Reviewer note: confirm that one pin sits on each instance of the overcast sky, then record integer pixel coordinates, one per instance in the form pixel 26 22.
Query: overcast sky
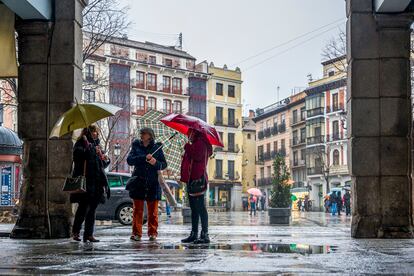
pixel 230 31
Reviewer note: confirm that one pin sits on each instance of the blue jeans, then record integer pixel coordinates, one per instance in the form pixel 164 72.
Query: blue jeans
pixel 168 209
pixel 333 208
pixel 252 207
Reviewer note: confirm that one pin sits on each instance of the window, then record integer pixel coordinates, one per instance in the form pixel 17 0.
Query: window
pixel 260 153
pixel 230 167
pixel 282 144
pixel 89 95
pixel 151 81
pixel 114 181
pixel 177 107
pixel 219 115
pixel 335 103
pixel 166 84
pixel 248 136
pixel 303 154
pixel 177 86
pixel 331 73
pixel 166 106
pixel 219 89
pixel 231 117
pixel 140 104
pixel 219 168
pixel 275 121
pixel 275 146
pixel 152 59
pixel 168 62
pixel 302 135
pixel 269 171
pixel 295 158
pixel 152 103
pixel 261 173
pixel 295 116
pixel 335 158
pixel 125 179
pixel 303 113
pixel 283 119
pixel 89 72
pixel 230 142
pixel 295 137
pixel 335 130
pixel 231 90
pixel 140 83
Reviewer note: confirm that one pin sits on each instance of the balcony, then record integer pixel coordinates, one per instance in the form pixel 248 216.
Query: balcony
pixel 282 127
pixel 298 142
pixel 260 160
pixel 296 121
pixel 218 121
pixel 335 108
pixel 233 148
pixel 282 152
pixel 274 129
pixel 298 163
pixel 315 140
pixel 315 112
pixel 234 123
pixel 335 137
pixel 234 176
pixel 267 156
pixel 267 132
pixel 264 181
pixel 314 171
pixel 338 169
pixel 218 175
pixel 90 78
pixel 260 135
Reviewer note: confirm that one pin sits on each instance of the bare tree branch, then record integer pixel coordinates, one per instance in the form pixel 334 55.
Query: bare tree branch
pixel 103 19
pixel 336 49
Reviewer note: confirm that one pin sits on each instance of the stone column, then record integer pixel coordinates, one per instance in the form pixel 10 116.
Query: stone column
pixel 50 76
pixel 379 119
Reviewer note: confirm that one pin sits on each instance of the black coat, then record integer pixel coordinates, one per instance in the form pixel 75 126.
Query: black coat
pixel 146 185
pixel 96 180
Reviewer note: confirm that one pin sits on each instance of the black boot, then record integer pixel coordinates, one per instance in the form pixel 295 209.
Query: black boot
pixel 204 238
pixel 191 238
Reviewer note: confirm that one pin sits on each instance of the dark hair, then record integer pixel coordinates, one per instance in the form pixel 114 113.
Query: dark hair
pixel 148 130
pixel 87 131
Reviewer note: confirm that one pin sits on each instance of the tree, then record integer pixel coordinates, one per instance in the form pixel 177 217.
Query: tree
pixel 335 48
pixel 322 155
pixel 103 19
pixel 281 196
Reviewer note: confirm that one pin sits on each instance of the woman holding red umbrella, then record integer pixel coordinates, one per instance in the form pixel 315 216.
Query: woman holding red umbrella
pixel 194 173
pixel 194 167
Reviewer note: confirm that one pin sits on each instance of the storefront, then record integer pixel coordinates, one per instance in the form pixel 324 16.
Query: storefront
pixel 10 168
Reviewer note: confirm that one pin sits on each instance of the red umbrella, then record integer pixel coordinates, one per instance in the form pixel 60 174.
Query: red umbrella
pixel 183 123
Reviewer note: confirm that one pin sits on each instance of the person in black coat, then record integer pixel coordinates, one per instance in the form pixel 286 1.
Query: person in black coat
pixel 145 186
pixel 90 161
pixel 339 202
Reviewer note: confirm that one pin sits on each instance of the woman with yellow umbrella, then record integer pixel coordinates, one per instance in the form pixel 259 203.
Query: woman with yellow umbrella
pixel 89 164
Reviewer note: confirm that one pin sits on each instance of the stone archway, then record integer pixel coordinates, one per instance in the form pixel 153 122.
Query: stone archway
pixel 380 118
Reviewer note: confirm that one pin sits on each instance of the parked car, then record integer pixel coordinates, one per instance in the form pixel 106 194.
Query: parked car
pixel 120 206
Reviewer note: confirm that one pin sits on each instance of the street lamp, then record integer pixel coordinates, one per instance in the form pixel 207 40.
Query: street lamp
pixel 117 153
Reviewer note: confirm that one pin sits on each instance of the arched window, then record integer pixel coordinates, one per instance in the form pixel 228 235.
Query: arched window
pixel 336 157
pixel 167 106
pixel 177 107
pixel 152 103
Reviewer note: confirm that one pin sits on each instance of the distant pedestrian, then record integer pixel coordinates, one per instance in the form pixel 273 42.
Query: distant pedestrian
pixel 263 202
pixel 245 204
pixel 347 203
pixel 299 204
pixel 333 201
pixel 306 203
pixel 339 202
pixel 253 201
pixel 90 161
pixel 146 187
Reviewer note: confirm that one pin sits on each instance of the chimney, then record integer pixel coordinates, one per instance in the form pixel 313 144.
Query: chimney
pixel 251 113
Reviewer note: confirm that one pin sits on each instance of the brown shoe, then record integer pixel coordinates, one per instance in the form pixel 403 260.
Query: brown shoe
pixel 90 239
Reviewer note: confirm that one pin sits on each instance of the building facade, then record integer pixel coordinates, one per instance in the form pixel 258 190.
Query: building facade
pixel 249 153
pixel 140 77
pixel 225 113
pixel 326 144
pixel 273 138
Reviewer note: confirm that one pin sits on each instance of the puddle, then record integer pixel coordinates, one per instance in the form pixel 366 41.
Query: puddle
pixel 259 247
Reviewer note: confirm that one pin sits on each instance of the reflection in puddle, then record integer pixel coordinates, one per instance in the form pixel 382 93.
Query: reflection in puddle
pixel 259 247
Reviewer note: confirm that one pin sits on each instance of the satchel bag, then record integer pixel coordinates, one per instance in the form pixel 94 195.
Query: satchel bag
pixel 76 185
pixel 197 187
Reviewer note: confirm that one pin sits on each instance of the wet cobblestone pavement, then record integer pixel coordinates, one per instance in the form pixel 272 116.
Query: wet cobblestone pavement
pixel 314 243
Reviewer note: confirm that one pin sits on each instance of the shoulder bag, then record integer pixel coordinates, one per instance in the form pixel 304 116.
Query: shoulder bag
pixel 197 187
pixel 76 185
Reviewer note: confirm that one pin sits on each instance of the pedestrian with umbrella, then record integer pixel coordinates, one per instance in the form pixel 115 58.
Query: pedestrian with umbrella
pixel 194 168
pixel 254 193
pixel 147 157
pixel 88 181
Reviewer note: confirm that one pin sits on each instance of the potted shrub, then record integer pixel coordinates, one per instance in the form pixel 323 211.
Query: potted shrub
pixel 280 201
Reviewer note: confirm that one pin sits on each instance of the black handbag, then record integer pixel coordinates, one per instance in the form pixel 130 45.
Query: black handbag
pixel 76 185
pixel 197 187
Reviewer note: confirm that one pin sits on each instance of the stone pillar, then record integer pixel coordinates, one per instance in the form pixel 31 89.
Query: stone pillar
pixel 50 76
pixel 379 120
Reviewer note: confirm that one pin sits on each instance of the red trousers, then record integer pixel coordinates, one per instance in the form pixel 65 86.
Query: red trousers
pixel 138 216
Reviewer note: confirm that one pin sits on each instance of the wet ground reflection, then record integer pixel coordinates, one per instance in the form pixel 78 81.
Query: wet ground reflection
pixel 259 247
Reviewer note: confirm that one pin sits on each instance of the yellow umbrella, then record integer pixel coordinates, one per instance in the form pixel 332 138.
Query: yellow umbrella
pixel 81 116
